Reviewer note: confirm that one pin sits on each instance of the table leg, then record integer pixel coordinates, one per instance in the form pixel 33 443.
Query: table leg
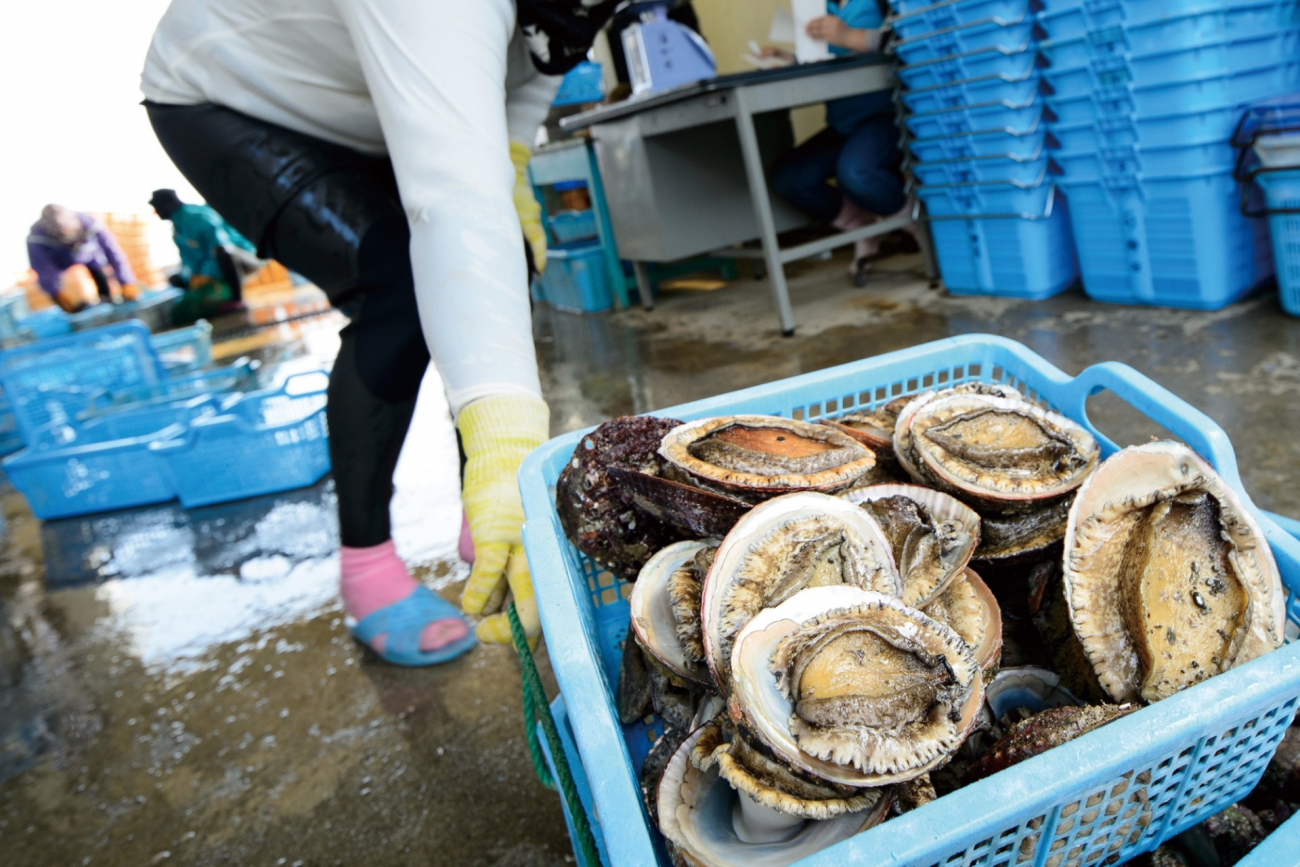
pixel 763 210
pixel 643 286
pixel 926 240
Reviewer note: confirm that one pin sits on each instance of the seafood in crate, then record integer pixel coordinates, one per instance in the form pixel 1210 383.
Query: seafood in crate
pixel 809 630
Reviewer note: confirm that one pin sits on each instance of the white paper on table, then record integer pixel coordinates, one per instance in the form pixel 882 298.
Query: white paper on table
pixel 782 29
pixel 807 49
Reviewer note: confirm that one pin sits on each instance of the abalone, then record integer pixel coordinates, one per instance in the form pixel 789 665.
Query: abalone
pixel 756 456
pixel 781 547
pixel 1168 578
pixel 932 535
pixel 854 686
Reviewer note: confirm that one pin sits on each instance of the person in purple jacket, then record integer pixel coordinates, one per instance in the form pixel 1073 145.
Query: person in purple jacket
pixel 62 238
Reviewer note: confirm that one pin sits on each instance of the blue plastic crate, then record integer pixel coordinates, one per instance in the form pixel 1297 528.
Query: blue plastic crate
pixel 50 322
pixel 984 144
pixel 13 308
pixel 997 35
pixel 1025 170
pixel 1003 199
pixel 575 279
pixel 1113 93
pixel 237 377
pixel 1282 190
pixel 570 226
pixel 1279 849
pixel 1178 761
pixel 52 380
pixel 1154 130
pixel 1107 50
pixel 184 350
pixel 1171 242
pixel 154 308
pixel 1113 160
pixel 1005 116
pixel 927 20
pixel 1014 62
pixel 1007 257
pixel 584 83
pixel 259 443
pixel 1169 24
pixel 94 316
pixel 75 469
pixel 961 94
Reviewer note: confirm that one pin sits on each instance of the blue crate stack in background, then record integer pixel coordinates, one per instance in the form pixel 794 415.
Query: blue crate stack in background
pixel 978 143
pixel 1146 94
pixel 1268 143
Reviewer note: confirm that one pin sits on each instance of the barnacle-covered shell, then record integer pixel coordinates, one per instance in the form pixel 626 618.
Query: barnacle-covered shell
pixel 1042 731
pixel 707 823
pixel 758 456
pixel 969 607
pixel 998 449
pixel 1168 578
pixel 654 620
pixel 854 686
pixel 781 547
pixel 751 769
pixel 592 509
pixel 931 534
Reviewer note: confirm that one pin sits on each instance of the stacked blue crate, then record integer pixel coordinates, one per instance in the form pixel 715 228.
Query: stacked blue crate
pixel 979 145
pixel 1145 95
pixel 1268 144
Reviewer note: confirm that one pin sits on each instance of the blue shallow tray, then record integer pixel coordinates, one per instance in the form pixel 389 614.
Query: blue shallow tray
pixel 1108 795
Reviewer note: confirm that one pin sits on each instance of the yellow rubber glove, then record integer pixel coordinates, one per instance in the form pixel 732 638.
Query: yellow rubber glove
pixel 497 434
pixel 530 213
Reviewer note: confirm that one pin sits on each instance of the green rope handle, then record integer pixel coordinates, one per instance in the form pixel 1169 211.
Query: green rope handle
pixel 537 709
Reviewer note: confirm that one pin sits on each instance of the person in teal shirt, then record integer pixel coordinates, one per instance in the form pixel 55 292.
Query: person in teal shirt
pixel 212 252
pixel 858 149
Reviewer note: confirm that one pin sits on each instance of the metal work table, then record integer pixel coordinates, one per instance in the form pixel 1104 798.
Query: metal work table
pixel 668 163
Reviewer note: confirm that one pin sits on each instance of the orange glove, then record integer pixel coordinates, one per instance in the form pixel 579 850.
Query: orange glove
pixel 130 291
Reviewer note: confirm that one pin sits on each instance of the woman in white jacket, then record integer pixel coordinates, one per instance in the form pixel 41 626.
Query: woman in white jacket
pixel 375 147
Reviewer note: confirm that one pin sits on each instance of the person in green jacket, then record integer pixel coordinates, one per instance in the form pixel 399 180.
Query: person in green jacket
pixel 215 259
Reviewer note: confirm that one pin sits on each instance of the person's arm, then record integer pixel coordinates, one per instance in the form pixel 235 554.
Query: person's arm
pixel 833 30
pixel 116 258
pixel 526 108
pixel 436 72
pixel 48 272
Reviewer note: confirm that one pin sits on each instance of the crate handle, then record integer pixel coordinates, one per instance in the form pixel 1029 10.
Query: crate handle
pixel 1159 404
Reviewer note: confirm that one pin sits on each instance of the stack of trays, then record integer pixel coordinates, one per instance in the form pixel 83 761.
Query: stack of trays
pixel 1144 96
pixel 1269 139
pixel 977 122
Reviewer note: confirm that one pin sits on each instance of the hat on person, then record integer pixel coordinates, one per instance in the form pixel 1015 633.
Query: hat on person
pixel 165 202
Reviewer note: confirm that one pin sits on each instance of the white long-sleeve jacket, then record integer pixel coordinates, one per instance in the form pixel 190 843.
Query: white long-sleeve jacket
pixel 440 86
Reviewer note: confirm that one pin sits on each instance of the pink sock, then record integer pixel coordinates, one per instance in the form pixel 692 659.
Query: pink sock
pixel 466 542
pixel 373 578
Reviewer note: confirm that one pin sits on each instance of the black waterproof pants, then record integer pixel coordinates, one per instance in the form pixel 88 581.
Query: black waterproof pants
pixel 333 215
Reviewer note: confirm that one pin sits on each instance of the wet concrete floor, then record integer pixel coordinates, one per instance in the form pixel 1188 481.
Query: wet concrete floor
pixel 177 687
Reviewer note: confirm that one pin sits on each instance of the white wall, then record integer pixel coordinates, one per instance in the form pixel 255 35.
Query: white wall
pixel 73 129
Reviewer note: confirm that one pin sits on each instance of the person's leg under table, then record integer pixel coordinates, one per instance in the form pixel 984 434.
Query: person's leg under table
pixel 869 172
pixel 333 215
pixel 801 176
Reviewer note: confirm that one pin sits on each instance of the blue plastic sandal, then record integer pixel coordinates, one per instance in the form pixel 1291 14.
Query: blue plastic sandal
pixel 403 623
